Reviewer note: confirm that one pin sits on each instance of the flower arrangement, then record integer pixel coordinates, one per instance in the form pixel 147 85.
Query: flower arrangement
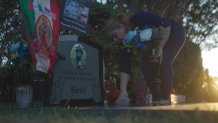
pixel 111 89
pixel 144 38
pixel 143 42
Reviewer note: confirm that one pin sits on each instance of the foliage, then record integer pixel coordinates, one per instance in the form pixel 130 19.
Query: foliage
pixel 167 8
pixel 210 87
pixel 202 23
pixel 9 27
pixel 188 69
pixel 190 75
pixel 12 69
pixel 99 14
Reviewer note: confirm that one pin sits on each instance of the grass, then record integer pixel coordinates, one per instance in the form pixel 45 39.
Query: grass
pixel 75 115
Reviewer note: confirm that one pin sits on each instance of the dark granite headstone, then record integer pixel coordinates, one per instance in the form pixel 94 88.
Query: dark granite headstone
pixel 77 76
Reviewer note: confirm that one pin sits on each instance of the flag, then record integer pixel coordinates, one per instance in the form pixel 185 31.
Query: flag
pixel 41 28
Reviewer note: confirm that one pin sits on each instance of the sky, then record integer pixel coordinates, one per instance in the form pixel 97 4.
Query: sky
pixel 210 61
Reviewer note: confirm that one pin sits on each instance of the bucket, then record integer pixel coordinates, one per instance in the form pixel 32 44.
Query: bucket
pixel 24 96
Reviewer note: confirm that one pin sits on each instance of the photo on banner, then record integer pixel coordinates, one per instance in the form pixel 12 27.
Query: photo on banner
pixel 74 15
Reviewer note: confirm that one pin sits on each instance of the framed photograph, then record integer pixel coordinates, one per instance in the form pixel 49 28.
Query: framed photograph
pixel 74 15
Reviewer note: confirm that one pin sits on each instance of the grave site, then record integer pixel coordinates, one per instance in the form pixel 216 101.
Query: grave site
pixel 76 61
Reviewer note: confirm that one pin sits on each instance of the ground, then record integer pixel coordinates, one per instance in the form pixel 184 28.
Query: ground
pixel 186 113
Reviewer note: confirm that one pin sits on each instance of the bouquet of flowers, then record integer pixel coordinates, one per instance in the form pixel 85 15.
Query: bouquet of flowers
pixel 143 42
pixel 144 38
pixel 111 89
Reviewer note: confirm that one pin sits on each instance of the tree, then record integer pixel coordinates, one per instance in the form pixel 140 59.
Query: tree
pixel 189 72
pixel 11 32
pixel 9 26
pixel 210 87
pixel 168 8
pixel 199 24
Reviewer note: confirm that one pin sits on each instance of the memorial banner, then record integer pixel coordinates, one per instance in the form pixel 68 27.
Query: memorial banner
pixel 41 24
pixel 74 15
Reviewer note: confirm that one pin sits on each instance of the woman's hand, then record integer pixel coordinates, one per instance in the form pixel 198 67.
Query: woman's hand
pixel 159 54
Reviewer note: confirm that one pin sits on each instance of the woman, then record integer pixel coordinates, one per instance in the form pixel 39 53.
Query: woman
pixel 169 47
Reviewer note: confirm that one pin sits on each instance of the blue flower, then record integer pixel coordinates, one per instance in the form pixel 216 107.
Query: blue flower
pixel 128 37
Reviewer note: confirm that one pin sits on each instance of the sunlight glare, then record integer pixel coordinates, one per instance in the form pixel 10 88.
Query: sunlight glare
pixel 210 61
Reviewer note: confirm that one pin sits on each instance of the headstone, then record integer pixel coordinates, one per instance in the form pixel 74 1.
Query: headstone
pixel 77 76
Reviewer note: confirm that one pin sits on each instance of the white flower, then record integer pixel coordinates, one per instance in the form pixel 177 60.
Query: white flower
pixel 145 35
pixel 197 11
pixel 125 5
pixel 115 6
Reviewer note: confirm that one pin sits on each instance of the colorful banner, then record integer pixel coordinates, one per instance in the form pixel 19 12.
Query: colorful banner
pixel 41 24
pixel 74 15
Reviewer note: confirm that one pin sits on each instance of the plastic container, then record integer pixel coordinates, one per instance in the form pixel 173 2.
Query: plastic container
pixel 24 96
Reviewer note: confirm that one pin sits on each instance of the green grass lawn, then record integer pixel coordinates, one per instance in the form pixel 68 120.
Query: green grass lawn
pixel 74 115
